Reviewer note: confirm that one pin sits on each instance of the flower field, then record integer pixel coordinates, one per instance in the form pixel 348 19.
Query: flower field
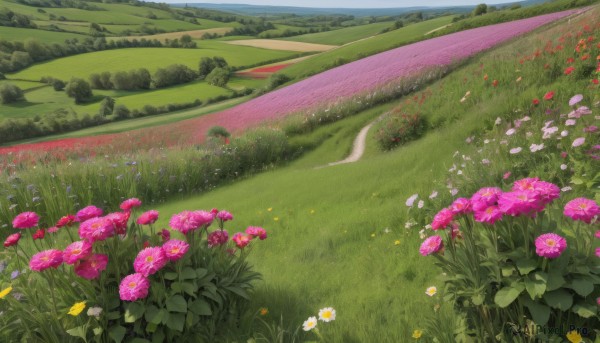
pixel 329 87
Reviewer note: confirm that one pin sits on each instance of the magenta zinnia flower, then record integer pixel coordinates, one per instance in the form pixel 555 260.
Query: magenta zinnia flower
pixel 461 206
pixel 241 240
pixel 77 251
pixel 90 267
pixel 12 240
pixel 88 213
pixel 516 203
pixel 149 261
pixel 485 197
pixel 546 191
pixel 96 229
pixel 128 204
pixel 26 220
pixel 550 245
pixel 442 219
pixel 175 249
pixel 187 221
pixel 489 215
pixel 257 232
pixel 217 238
pixel 148 218
pixel 582 209
pixel 46 259
pixel 431 245
pixel 224 216
pixel 67 220
pixel 134 287
pixel 119 221
pixel 526 184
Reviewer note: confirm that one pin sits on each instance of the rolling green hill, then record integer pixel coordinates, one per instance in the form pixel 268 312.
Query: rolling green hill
pixel 342 36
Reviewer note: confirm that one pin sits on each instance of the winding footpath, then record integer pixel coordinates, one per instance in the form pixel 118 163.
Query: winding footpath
pixel 358 147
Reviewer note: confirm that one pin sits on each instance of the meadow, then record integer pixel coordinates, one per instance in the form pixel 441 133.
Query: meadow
pixel 348 236
pixel 21 34
pixel 343 35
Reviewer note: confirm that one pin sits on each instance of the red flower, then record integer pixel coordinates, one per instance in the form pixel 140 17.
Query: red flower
pixel 549 95
pixel 536 101
pixel 585 57
pixel 546 66
pixel 569 70
pixel 570 60
pixel 495 83
pixel 485 77
pixel 39 234
pixel 595 81
pixel 67 220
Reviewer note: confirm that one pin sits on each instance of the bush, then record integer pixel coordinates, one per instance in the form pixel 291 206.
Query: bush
pixel 399 129
pixel 107 106
pixel 58 85
pixel 10 93
pixel 218 77
pixel 121 112
pixel 79 89
pixel 173 75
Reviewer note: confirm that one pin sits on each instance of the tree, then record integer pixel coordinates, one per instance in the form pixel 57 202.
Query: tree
pixel 480 9
pixel 218 77
pixel 106 106
pixel 79 89
pixel 141 78
pixel 205 66
pixel 220 62
pixel 10 93
pixel 58 85
pixel 121 112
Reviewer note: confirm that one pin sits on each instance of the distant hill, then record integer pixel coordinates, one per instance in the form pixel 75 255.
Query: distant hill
pixel 257 10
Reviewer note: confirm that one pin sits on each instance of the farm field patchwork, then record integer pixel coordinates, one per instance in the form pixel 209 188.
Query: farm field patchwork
pixel 343 35
pixel 22 34
pixel 195 34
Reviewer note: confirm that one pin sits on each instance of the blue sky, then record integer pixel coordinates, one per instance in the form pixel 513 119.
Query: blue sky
pixel 344 3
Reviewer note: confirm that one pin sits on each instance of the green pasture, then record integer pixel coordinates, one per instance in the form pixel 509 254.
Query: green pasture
pixel 24 85
pixel 151 58
pixel 342 36
pixel 22 34
pixel 280 29
pixel 365 47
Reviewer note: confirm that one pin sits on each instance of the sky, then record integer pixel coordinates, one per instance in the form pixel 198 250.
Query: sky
pixel 345 3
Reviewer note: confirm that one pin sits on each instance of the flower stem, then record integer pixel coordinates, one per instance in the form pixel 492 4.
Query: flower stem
pixel 51 278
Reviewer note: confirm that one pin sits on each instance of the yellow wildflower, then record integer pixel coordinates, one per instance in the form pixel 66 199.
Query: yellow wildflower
pixel 276 219
pixel 263 311
pixel 397 242
pixel 5 292
pixel 77 308
pixel 417 334
pixel 574 337
pixel 270 209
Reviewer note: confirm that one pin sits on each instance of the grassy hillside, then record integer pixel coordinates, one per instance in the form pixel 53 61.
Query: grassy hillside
pixel 21 34
pixel 342 36
pixel 365 47
pixel 150 58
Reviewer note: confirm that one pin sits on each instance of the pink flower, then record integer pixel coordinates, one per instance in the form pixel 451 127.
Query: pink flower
pixel 582 209
pixel 76 251
pixel 597 235
pixel 119 221
pixel 526 184
pixel 128 204
pixel 597 252
pixel 256 232
pixel 485 197
pixel 148 218
pixel 590 129
pixel 12 240
pixel 547 191
pixel 515 150
pixel 442 219
pixel 578 142
pixel 96 229
pixel 88 213
pixel 224 216
pixel 52 229
pixel 241 240
pixel 489 215
pixel 134 287
pixel 46 259
pixel 575 99
pixel 516 203
pixel 90 267
pixel 67 220
pixel 431 245
pixel 175 249
pixel 217 238
pixel 149 261
pixel 39 234
pixel 165 234
pixel 187 221
pixel 26 220
pixel 461 206
pixel 506 175
pixel 550 245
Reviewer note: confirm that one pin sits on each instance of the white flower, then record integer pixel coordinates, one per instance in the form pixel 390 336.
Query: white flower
pixel 570 122
pixel 433 195
pixel 459 172
pixel 510 132
pixel 431 291
pixel 515 150
pixel 526 118
pixel 566 189
pixel 536 147
pixel 485 162
pixel 94 311
pixel 454 191
pixel 428 226
pixel 498 121
pixel 487 141
pixel 422 234
pixel 411 200
pixel 421 204
pixel 327 314
pixel 309 324
pixel 564 133
pixel 563 167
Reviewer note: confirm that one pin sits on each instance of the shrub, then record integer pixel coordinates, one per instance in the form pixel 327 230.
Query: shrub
pixel 79 89
pixel 10 93
pixel 58 85
pixel 173 75
pixel 121 112
pixel 399 129
pixel 107 106
pixel 218 77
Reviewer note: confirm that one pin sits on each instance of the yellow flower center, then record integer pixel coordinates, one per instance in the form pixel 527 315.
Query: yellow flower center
pixel 174 250
pixel 76 251
pixel 327 314
pixel 149 259
pixel 45 258
pixel 131 284
pixel 489 210
pixel 550 242
pixel 583 206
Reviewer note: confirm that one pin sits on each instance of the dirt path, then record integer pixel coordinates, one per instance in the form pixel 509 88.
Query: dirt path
pixel 358 147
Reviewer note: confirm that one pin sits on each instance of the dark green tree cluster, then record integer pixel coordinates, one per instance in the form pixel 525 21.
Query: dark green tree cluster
pixel 173 75
pixel 207 65
pixel 10 93
pixel 10 18
pixel 79 89
pixel 122 80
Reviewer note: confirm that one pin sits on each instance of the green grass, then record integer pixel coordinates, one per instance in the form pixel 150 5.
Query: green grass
pixel 365 47
pixel 279 30
pixel 151 58
pixel 342 36
pixel 24 85
pixel 21 34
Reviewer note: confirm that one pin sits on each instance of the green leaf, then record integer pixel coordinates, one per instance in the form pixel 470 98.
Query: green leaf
pixel 477 299
pixel 139 340
pixel 200 307
pixel 79 331
pixel 154 315
pixel 555 281
pixel 98 331
pixel 585 310
pixel 188 273
pixel 201 272
pixel 133 312
pixel 526 266
pixel 536 284
pixel 170 276
pixel 158 337
pixel 113 303
pixel 583 287
pixel 507 295
pixel 540 313
pixel 576 180
pixel 239 291
pixel 559 299
pixel 151 327
pixel 507 271
pixel 569 233
pixel 117 333
pixel 176 303
pixel 176 321
pixel 113 315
